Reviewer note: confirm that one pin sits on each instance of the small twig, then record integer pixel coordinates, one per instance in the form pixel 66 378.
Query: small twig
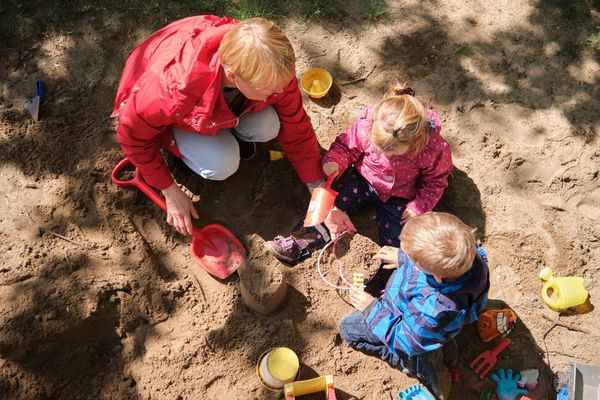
pixel 201 288
pixel 350 97
pixel 566 355
pixel 568 326
pixel 162 270
pixel 317 56
pixel 325 115
pixel 328 30
pixel 58 235
pixel 362 78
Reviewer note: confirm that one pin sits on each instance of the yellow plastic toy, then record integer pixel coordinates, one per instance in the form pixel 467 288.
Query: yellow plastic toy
pixel 277 367
pixel 316 82
pixel 358 280
pixel 562 292
pixel 275 155
pixel 301 388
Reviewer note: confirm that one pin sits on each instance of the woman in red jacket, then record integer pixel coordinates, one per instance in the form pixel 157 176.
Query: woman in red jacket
pixel 206 88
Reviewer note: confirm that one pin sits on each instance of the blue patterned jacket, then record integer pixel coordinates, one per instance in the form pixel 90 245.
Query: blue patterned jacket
pixel 416 314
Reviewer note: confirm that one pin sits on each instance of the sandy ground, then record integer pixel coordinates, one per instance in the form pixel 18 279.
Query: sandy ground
pixel 122 312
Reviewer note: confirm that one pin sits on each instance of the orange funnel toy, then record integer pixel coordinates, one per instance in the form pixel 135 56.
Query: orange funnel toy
pixel 213 247
pixel 321 202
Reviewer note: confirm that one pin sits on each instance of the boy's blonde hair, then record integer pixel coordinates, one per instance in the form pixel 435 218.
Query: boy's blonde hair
pixel 440 243
pixel 258 51
pixel 399 119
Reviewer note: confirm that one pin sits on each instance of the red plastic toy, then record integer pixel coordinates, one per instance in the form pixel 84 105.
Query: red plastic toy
pixel 213 247
pixel 488 359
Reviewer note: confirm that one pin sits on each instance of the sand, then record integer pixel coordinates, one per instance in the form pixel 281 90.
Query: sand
pixel 122 312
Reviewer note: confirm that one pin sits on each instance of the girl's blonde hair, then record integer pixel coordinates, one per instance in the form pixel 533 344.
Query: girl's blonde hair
pixel 258 51
pixel 439 242
pixel 399 119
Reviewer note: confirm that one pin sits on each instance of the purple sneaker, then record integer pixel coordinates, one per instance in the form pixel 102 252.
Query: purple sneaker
pixel 288 248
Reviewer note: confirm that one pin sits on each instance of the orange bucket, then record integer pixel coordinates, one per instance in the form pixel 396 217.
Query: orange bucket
pixel 321 202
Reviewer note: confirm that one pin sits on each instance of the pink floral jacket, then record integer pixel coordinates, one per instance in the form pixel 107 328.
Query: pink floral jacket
pixel 420 178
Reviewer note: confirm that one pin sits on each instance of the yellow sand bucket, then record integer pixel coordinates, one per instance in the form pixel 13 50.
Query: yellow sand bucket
pixel 316 82
pixel 277 366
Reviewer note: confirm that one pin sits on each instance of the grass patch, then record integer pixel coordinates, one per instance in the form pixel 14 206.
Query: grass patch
pixel 315 9
pixel 374 10
pixel 23 23
pixel 593 42
pixel 245 9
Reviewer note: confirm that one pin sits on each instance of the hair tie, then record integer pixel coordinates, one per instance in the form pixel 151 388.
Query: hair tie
pixel 408 90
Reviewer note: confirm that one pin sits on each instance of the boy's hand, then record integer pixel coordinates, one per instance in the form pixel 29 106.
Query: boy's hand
pixel 331 168
pixel 360 299
pixel 389 256
pixel 408 214
pixel 338 221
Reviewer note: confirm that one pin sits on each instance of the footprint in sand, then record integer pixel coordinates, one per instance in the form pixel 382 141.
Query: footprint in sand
pixel 588 204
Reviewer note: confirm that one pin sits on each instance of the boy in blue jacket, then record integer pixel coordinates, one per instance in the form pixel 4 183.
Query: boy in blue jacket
pixel 440 284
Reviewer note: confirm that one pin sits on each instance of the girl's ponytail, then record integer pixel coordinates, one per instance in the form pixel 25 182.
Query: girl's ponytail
pixel 399 119
pixel 398 88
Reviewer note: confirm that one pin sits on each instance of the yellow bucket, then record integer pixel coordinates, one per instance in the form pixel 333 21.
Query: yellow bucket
pixel 316 82
pixel 277 366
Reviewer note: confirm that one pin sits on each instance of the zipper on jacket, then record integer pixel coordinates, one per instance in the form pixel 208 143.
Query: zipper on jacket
pixel 236 119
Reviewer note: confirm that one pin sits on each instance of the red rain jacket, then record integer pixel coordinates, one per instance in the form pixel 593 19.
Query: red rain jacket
pixel 173 79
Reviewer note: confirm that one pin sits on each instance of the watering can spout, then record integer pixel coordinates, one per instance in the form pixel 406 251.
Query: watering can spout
pixel 546 274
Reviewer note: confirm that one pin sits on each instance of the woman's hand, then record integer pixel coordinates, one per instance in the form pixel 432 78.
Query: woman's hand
pixel 359 298
pixel 331 168
pixel 408 214
pixel 338 221
pixel 389 256
pixel 179 209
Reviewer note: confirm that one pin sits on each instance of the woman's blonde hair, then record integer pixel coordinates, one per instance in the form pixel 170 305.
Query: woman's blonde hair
pixel 439 242
pixel 399 119
pixel 258 51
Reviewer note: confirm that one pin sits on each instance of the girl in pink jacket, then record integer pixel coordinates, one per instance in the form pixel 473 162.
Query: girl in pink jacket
pixel 398 162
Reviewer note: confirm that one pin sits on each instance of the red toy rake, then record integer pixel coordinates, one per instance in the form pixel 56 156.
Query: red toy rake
pixel 488 359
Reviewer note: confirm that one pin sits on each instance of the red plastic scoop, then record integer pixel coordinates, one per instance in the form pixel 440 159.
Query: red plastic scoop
pixel 321 202
pixel 213 247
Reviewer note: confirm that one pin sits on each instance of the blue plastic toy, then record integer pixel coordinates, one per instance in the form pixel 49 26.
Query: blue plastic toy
pixel 507 387
pixel 40 90
pixel 563 394
pixel 415 392
pixel 33 105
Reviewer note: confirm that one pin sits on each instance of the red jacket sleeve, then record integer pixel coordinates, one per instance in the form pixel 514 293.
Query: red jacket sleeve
pixel 141 122
pixel 296 136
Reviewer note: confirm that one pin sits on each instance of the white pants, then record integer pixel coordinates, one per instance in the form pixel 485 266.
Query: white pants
pixel 218 157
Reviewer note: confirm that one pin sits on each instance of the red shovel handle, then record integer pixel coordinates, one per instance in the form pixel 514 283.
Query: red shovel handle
pixel 329 181
pixel 137 182
pixel 500 347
